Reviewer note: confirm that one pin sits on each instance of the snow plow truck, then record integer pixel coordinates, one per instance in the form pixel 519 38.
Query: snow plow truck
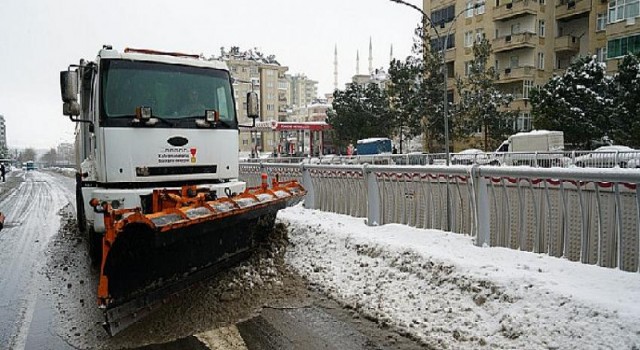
pixel 157 189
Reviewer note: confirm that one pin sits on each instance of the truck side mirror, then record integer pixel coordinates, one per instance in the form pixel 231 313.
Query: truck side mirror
pixel 253 110
pixel 69 91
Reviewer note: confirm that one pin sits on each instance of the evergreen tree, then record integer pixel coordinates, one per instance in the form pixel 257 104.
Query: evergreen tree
pixel 579 103
pixel 482 104
pixel 626 114
pixel 416 91
pixel 358 113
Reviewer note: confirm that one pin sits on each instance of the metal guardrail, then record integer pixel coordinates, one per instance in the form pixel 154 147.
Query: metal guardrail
pixel 586 215
pixel 585 159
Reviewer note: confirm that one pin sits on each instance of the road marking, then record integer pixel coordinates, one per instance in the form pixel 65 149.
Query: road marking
pixel 224 338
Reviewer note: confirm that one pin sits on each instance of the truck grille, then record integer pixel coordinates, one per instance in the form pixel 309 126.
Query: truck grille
pixel 176 170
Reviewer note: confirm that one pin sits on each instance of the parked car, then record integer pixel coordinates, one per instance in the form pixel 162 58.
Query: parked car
pixel 413 158
pixel 609 157
pixel 472 156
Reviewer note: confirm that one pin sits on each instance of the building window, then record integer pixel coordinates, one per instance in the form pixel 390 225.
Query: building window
pixel 437 44
pixel 523 123
pixel 601 54
pixel 514 62
pixel 468 39
pixel 601 21
pixel 480 9
pixel 480 34
pixel 444 15
pixel 515 28
pixel 541 28
pixel 469 9
pixel 467 67
pixel 541 2
pixel 540 60
pixel 622 9
pixel 622 46
pixel 526 87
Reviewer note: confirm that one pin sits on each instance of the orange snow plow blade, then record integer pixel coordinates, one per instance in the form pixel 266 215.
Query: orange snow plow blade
pixel 186 233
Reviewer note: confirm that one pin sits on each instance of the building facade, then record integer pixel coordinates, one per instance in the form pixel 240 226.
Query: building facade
pixel 533 39
pixel 3 138
pixel 302 90
pixel 253 71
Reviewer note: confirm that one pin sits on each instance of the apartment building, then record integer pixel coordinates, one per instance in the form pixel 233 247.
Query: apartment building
pixel 533 39
pixel 302 90
pixel 252 70
pixel 3 137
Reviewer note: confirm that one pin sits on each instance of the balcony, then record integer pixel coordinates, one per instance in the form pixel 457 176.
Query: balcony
pixel 570 9
pixel 515 9
pixel 509 75
pixel 518 104
pixel 567 43
pixel 623 28
pixel 515 41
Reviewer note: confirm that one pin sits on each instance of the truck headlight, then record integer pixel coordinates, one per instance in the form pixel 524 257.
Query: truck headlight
pixel 212 116
pixel 143 113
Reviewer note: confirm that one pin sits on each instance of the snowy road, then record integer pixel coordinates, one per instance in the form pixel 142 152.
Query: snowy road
pixel 30 202
pixel 47 292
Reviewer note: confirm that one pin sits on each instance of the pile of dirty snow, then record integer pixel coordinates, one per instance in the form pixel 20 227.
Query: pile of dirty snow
pixel 441 290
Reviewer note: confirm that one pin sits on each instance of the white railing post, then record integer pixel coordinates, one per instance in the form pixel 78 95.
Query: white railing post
pixel 482 205
pixel 310 198
pixel 373 204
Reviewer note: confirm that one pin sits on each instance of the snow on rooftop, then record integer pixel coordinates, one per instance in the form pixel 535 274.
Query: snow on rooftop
pixel 442 290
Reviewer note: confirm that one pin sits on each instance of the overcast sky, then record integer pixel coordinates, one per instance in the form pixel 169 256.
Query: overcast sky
pixel 39 38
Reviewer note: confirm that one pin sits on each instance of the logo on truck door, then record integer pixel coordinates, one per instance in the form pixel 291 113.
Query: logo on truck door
pixel 177 155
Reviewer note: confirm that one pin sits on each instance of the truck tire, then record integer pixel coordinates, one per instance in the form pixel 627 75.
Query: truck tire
pixel 95 246
pixel 81 219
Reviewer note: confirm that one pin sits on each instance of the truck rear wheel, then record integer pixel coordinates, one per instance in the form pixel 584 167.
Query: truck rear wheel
pixel 95 246
pixel 81 219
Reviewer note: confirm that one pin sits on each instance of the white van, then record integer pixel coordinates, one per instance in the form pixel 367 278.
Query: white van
pixel 536 147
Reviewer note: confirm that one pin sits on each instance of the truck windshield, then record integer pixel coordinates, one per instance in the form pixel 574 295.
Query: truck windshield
pixel 172 91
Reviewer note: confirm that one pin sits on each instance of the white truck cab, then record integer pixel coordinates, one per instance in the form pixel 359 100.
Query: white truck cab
pixel 148 120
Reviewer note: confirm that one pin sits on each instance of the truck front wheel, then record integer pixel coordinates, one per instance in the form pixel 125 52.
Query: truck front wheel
pixel 95 246
pixel 81 219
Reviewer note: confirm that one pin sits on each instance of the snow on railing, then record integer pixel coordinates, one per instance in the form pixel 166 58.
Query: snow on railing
pixel 585 159
pixel 586 215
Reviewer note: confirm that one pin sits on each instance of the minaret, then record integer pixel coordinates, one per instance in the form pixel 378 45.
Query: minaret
pixel 358 62
pixel 370 57
pixel 391 54
pixel 335 68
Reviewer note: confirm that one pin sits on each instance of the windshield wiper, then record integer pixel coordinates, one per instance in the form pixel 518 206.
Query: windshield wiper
pixel 205 124
pixel 153 121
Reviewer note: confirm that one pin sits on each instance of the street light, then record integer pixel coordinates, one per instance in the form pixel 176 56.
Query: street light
pixel 445 100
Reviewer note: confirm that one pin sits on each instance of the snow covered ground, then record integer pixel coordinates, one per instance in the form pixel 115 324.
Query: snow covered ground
pixel 443 291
